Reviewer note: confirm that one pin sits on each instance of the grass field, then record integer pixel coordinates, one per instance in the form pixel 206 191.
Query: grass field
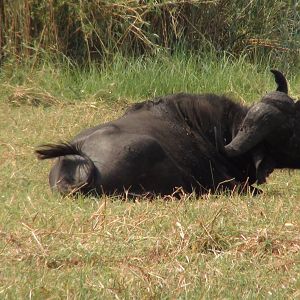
pixel 213 247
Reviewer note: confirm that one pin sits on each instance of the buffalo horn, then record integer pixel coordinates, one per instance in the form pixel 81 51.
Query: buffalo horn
pixel 261 120
pixel 282 85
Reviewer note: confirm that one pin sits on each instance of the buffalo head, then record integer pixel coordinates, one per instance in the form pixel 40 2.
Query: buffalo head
pixel 271 131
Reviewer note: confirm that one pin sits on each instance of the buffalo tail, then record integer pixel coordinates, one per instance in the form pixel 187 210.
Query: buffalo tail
pixel 75 172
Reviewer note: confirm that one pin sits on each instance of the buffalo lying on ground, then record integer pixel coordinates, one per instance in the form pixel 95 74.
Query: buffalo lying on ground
pixel 196 143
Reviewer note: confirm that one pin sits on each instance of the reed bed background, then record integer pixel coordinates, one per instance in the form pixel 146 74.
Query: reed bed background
pixel 87 31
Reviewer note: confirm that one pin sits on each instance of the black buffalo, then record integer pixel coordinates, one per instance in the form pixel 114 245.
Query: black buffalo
pixel 189 142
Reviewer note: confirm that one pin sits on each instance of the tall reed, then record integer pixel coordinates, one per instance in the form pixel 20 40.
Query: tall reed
pixel 93 30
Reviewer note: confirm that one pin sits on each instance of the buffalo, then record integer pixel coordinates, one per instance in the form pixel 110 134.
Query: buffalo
pixel 181 143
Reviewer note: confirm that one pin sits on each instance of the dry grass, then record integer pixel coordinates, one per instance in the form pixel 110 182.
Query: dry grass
pixel 24 95
pixel 212 247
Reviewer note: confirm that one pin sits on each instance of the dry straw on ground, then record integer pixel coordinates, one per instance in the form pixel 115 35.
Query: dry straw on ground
pixel 24 95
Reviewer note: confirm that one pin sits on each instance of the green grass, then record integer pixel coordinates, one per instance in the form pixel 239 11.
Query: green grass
pixel 138 79
pixel 214 247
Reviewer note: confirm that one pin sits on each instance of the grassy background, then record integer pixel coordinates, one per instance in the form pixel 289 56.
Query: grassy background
pixel 209 247
pixel 68 65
